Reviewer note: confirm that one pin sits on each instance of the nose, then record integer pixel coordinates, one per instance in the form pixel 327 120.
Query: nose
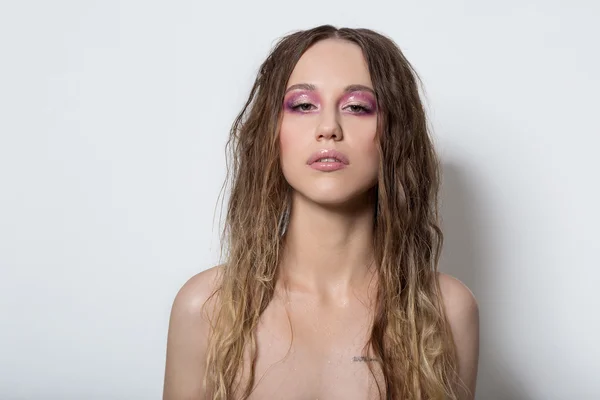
pixel 329 126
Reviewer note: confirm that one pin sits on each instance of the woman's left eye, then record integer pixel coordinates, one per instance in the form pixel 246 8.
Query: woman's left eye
pixel 357 108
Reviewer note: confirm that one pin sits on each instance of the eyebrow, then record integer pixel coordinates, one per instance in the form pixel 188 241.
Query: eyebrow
pixel 312 88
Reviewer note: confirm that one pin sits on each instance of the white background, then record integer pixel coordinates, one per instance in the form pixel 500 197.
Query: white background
pixel 113 120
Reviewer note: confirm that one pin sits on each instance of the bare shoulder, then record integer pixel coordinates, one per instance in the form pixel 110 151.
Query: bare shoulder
pixel 462 312
pixel 195 292
pixel 459 300
pixel 188 336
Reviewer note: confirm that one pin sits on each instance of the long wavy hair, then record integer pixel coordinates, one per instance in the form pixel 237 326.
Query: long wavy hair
pixel 410 334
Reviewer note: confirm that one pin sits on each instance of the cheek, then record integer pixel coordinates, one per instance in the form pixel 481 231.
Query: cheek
pixel 370 154
pixel 368 142
pixel 290 140
pixel 286 140
pixel 292 136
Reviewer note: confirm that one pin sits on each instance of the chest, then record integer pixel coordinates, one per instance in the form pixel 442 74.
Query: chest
pixel 307 351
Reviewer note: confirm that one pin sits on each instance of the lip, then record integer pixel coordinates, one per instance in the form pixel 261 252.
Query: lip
pixel 328 153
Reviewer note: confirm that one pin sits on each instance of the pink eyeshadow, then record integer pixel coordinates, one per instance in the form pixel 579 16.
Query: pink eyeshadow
pixel 299 97
pixel 364 97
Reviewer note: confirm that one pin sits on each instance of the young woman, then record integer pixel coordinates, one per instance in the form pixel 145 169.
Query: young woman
pixel 331 288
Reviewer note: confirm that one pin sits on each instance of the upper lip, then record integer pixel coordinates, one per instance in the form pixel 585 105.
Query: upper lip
pixel 327 153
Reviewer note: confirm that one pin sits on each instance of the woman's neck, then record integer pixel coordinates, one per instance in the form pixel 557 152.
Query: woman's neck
pixel 328 250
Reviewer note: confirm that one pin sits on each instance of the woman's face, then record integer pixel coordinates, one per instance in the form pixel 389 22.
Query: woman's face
pixel 330 105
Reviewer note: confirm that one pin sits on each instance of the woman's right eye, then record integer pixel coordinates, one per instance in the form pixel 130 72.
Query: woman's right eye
pixel 303 107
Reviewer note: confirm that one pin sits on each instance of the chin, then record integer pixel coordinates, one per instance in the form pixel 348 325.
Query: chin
pixel 335 196
pixel 330 200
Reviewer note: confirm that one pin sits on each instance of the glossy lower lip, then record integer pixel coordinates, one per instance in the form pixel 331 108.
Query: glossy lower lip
pixel 327 166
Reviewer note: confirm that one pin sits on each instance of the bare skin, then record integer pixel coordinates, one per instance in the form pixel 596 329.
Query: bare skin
pixel 311 336
pixel 322 363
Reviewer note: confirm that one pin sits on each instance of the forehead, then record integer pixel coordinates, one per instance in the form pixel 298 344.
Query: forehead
pixel 332 63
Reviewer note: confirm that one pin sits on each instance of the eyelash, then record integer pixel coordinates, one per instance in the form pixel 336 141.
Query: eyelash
pixel 362 109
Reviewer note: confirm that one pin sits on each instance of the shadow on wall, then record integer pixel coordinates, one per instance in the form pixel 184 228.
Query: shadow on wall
pixel 468 256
